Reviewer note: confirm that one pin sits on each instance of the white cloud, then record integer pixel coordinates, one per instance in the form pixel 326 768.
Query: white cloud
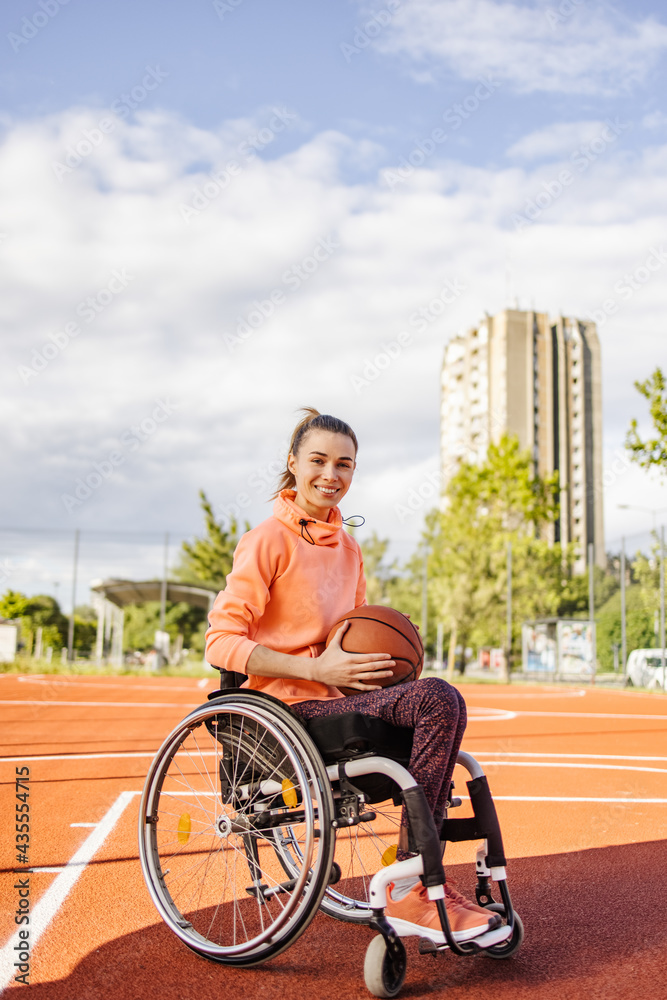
pixel 162 337
pixel 592 50
pixel 654 120
pixel 555 140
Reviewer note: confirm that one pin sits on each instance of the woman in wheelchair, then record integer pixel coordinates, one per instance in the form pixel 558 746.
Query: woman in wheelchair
pixel 296 574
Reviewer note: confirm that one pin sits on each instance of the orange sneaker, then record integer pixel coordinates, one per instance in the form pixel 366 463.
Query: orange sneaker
pixel 451 893
pixel 416 914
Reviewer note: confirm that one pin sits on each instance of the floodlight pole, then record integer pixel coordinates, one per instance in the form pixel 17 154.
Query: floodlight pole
pixel 591 606
pixel 425 597
pixel 508 658
pixel 70 629
pixel 662 604
pixel 163 588
pixel 624 643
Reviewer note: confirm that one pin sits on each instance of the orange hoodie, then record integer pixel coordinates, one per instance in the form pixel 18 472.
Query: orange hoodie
pixel 285 593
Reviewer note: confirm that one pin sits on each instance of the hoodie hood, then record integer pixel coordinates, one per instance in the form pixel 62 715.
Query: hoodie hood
pixel 321 532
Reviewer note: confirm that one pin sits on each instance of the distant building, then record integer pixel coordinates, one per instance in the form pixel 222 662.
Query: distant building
pixel 522 373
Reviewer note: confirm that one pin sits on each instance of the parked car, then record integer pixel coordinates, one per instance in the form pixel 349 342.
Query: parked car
pixel 645 668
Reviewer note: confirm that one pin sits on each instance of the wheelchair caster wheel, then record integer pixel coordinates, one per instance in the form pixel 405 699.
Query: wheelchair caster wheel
pixel 507 948
pixel 384 972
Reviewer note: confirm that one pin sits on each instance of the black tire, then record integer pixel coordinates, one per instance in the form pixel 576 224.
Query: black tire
pixel 507 948
pixel 384 975
pixel 229 778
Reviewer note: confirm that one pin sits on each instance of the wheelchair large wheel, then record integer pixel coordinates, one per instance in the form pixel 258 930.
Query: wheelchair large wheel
pixel 360 851
pixel 232 780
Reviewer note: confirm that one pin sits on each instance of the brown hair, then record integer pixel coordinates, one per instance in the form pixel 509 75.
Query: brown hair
pixel 312 421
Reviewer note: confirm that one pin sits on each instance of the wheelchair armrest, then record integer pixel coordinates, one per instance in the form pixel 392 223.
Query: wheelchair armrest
pixel 228 678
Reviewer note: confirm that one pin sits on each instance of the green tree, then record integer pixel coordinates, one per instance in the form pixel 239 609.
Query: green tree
pixel 646 571
pixel 651 453
pixel 487 505
pixel 208 560
pixel 41 611
pixel 143 620
pixel 639 625
pixel 12 604
pixel 379 576
pixel 85 629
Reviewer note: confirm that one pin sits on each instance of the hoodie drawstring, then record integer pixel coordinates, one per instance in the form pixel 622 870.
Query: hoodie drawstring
pixel 304 527
pixel 358 518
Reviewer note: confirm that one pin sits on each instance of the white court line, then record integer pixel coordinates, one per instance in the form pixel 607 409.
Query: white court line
pixel 594 715
pixel 83 756
pixel 576 756
pixel 567 764
pixel 565 798
pixel 536 694
pixel 493 714
pixel 115 684
pixel 103 704
pixel 490 714
pixel 479 757
pixel 122 754
pixel 43 912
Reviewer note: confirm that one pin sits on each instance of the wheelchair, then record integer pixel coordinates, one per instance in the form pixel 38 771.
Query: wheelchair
pixel 252 819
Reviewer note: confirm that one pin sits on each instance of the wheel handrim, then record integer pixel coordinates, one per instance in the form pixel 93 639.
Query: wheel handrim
pixel 196 868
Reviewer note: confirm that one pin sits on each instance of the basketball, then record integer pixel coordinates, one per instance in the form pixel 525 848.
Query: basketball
pixel 376 629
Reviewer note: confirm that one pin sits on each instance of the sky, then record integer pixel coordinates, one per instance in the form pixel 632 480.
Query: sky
pixel 213 213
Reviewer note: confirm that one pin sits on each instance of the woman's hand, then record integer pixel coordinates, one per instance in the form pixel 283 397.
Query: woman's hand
pixel 351 670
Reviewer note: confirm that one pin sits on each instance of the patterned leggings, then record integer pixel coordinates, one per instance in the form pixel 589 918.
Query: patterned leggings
pixel 432 708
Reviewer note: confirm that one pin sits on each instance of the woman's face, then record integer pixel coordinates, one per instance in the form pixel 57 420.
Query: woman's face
pixel 323 469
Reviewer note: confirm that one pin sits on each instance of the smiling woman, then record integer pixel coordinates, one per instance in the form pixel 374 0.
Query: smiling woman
pixel 295 577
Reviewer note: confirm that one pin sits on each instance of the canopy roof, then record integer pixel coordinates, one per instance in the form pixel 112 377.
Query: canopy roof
pixel 122 592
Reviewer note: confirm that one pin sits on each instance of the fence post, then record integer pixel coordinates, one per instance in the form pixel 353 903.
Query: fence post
pixel 591 607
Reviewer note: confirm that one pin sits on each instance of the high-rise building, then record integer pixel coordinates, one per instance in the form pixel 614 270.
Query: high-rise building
pixel 522 373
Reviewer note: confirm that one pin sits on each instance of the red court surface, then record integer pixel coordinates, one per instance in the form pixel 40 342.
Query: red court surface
pixel 578 776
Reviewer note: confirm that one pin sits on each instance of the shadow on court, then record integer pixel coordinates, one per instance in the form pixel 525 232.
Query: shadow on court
pixel 595 928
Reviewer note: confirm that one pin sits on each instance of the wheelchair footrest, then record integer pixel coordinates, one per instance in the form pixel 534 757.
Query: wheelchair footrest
pixel 488 940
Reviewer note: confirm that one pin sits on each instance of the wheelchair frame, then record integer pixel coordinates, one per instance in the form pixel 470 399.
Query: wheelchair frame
pixel 239 822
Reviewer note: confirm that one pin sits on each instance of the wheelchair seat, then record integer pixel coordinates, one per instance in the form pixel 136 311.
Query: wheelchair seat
pixel 349 736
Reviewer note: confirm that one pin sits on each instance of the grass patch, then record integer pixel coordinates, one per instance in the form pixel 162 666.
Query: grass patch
pixel 30 665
